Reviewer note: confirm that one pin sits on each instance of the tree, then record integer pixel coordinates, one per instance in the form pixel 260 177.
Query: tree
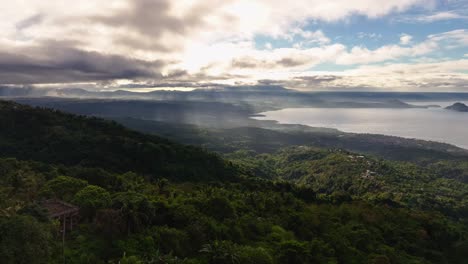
pixel 171 240
pixel 90 199
pixel 293 252
pixel 24 240
pixel 130 260
pixel 251 255
pixel 135 209
pixel 162 183
pixel 220 208
pixel 63 187
pixel 221 252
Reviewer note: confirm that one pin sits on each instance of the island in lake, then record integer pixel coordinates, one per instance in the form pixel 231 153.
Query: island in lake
pixel 459 107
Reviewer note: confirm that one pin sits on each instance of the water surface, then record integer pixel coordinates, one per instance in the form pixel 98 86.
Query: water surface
pixel 435 124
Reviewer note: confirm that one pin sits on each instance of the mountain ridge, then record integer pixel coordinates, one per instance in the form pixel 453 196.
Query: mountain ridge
pixel 59 138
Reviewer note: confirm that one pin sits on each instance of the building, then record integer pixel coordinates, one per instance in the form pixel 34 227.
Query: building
pixel 66 213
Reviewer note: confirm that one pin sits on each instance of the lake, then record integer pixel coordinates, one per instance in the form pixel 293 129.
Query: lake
pixel 435 124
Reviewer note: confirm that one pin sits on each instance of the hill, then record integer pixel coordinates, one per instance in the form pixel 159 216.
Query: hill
pixel 227 127
pixel 272 137
pixel 459 107
pixel 54 137
pixel 345 174
pixel 297 206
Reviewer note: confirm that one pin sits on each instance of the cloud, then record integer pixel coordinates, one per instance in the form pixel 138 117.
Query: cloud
pixel 307 36
pixel 374 36
pixel 285 58
pixel 361 55
pixel 435 42
pixel 30 21
pixel 195 41
pixel 243 57
pixel 58 63
pixel 454 38
pixel 422 77
pixel 104 25
pixel 434 76
pixel 435 17
pixel 281 63
pixel 405 39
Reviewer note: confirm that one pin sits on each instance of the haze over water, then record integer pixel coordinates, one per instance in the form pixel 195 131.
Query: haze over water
pixel 435 124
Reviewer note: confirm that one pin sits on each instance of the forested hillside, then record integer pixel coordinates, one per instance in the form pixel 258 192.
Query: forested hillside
pixel 345 176
pixel 268 138
pixel 58 138
pixel 144 199
pixel 227 127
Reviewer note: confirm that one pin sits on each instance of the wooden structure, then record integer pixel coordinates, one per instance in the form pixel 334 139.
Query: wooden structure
pixel 66 213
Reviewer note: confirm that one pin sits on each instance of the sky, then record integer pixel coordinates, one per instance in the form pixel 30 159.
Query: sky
pixel 310 45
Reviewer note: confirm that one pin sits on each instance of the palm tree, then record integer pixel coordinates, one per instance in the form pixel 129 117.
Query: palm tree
pixel 134 208
pixel 223 252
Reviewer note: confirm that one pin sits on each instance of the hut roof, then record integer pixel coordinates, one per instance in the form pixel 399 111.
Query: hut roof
pixel 56 208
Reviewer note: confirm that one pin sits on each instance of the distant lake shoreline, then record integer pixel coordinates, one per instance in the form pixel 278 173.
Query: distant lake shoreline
pixel 432 124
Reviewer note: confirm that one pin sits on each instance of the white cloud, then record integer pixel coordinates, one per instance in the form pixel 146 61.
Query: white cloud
pixel 180 22
pixel 435 76
pixel 216 38
pixel 308 36
pixel 439 16
pixel 453 39
pixel 361 55
pixel 436 42
pixel 374 36
pixel 432 76
pixel 405 39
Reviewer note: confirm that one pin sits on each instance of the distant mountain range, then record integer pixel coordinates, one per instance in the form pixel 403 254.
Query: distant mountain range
pixel 259 97
pixel 8 91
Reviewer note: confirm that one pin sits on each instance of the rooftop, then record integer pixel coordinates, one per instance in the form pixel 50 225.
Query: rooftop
pixel 56 208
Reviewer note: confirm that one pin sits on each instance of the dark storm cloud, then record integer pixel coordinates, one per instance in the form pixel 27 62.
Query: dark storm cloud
pixel 149 17
pixel 270 82
pixel 149 20
pixel 56 63
pixel 319 79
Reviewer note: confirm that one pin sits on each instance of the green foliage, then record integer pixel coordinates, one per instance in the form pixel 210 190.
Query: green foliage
pixel 25 240
pixel 91 198
pixel 254 255
pixel 36 211
pixel 130 260
pixel 136 210
pixel 54 137
pixel 338 176
pixel 20 182
pixel 221 252
pixel 253 221
pixel 219 208
pixel 294 252
pixel 266 137
pixel 306 205
pixel 63 187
